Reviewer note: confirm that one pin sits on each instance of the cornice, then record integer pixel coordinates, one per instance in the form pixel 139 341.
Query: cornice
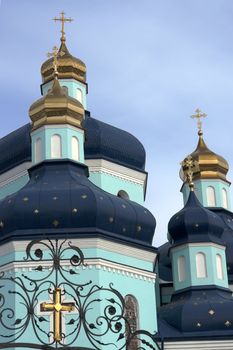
pixel 14 174
pixel 91 264
pixel 95 242
pixel 116 170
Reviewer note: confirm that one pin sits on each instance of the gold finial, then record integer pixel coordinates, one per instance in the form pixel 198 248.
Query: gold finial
pixel 63 20
pixel 198 115
pixel 54 54
pixel 188 166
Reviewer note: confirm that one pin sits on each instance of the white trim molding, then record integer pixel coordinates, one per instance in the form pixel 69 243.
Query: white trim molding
pixel 113 169
pixel 14 174
pixel 85 243
pixel 97 264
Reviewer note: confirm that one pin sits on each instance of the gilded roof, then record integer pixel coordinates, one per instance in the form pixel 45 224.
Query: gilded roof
pixel 210 165
pixel 68 66
pixel 57 107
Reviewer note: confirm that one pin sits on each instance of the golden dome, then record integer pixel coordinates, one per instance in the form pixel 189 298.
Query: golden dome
pixel 209 165
pixel 68 66
pixel 57 107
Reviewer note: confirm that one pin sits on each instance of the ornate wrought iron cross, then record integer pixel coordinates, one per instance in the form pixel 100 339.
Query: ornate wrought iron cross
pixel 57 307
pixel 188 166
pixel 54 54
pixel 198 115
pixel 63 20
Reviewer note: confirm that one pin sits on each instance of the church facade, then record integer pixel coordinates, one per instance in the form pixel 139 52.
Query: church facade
pixel 77 266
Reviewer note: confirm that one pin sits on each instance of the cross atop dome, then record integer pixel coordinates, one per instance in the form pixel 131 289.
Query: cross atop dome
pixel 198 115
pixel 188 166
pixel 54 54
pixel 63 20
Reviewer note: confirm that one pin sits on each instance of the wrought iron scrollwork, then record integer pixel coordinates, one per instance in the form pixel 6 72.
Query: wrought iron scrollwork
pixel 96 313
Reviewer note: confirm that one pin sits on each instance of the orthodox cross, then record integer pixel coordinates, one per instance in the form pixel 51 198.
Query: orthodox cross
pixel 198 115
pixel 54 54
pixel 188 166
pixel 57 307
pixel 63 20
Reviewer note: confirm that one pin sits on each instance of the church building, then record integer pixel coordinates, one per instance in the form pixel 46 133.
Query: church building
pixel 77 266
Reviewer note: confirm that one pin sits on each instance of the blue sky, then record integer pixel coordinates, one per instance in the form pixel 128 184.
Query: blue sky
pixel 150 64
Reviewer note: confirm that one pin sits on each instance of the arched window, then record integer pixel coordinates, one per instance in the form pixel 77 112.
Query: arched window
pixel 224 198
pixel 219 266
pixel 79 95
pixel 65 89
pixel 181 268
pixel 38 150
pixel 201 265
pixel 56 150
pixel 132 316
pixel 123 194
pixel 211 198
pixel 74 148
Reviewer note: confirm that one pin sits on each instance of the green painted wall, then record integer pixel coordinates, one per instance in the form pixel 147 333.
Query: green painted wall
pixel 114 184
pixel 66 133
pixel 125 283
pixel 72 86
pixel 189 252
pixel 201 188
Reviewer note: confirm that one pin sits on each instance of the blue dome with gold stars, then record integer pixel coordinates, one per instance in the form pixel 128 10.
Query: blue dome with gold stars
pixel 194 223
pixel 60 199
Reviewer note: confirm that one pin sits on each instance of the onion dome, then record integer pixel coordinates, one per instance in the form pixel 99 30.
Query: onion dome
pixel 209 164
pixel 194 223
pixel 104 141
pixel 68 66
pixel 59 199
pixel 197 312
pixel 57 107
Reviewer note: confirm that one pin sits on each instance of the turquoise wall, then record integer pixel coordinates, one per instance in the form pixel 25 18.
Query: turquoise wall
pixel 114 184
pixel 189 252
pixel 66 133
pixel 200 191
pixel 13 186
pixel 126 283
pixel 72 86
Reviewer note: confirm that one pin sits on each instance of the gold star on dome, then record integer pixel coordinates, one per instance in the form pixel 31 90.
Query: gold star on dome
pixel 211 312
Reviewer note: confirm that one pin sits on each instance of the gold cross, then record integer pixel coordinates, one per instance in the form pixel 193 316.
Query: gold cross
pixel 54 54
pixel 57 307
pixel 188 166
pixel 198 116
pixel 63 20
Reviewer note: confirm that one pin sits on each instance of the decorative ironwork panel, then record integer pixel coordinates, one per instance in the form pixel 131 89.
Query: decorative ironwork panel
pixel 80 309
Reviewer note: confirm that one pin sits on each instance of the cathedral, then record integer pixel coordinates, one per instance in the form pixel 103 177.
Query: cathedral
pixel 77 266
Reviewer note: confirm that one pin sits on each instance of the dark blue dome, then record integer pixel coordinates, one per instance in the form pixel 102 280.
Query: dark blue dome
pixel 194 223
pixel 199 311
pixel 102 141
pixel 110 143
pixel 59 199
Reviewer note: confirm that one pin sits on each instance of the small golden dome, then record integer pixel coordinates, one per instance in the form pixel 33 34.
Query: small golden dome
pixel 209 164
pixel 68 66
pixel 57 107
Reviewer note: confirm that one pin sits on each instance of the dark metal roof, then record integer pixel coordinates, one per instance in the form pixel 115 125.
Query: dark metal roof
pixel 15 148
pixel 102 141
pixel 108 142
pixel 60 199
pixel 194 223
pixel 165 266
pixel 197 312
